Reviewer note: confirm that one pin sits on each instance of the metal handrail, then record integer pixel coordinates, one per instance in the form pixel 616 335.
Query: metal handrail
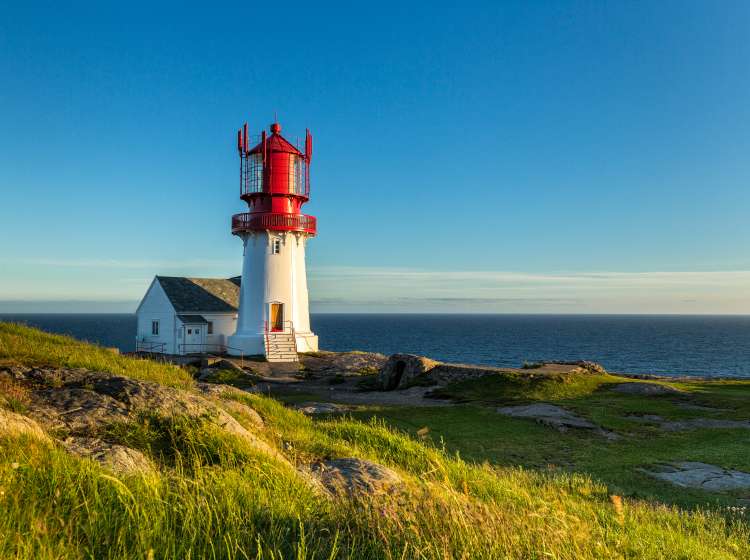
pixel 274 220
pixel 149 346
pixel 221 349
pixel 291 326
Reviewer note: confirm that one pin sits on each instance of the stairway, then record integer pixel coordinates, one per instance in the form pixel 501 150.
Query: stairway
pixel 281 347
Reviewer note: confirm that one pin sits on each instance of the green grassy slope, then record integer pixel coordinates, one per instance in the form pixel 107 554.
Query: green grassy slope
pixel 23 345
pixel 212 496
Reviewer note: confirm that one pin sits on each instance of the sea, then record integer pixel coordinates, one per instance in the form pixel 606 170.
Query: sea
pixel 678 345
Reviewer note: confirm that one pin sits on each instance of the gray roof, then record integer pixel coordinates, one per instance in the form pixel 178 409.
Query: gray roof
pixel 192 319
pixel 202 294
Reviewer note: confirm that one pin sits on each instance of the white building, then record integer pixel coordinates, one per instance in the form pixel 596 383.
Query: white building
pixel 181 315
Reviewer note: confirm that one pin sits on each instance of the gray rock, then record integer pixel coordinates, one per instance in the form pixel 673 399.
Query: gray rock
pixel 343 363
pixel 580 365
pixel 244 412
pixel 219 390
pixel 118 458
pixel 646 389
pixel 691 406
pixel 312 408
pixel 355 476
pixel 88 401
pixel 710 423
pixel 645 418
pixel 227 364
pixel 554 416
pixel 401 369
pixel 688 474
pixel 56 377
pixel 14 424
pixel 76 409
pixel 18 373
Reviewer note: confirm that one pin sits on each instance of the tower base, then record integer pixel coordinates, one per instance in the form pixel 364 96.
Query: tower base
pixel 255 344
pixel 306 341
pixel 246 344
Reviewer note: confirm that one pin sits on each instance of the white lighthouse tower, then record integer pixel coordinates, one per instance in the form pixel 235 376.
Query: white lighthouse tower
pixel 274 317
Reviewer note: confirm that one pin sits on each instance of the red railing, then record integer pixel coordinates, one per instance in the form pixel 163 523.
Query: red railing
pixel 279 222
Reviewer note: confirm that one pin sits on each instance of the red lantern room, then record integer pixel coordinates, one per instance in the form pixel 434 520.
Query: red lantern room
pixel 275 183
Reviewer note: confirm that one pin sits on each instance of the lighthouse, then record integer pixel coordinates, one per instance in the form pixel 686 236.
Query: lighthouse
pixel 274 316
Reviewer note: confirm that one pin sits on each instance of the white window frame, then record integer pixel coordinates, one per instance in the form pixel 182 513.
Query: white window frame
pixel 276 246
pixel 155 327
pixel 210 328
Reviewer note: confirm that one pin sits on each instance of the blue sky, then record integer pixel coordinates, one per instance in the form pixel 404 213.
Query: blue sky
pixel 572 157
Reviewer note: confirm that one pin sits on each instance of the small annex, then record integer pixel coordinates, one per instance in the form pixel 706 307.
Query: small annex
pixel 180 315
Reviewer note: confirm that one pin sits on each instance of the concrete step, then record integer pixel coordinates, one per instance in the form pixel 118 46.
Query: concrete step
pixel 281 347
pixel 277 359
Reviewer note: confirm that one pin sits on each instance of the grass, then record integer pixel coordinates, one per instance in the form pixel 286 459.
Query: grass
pixel 479 433
pixel 212 495
pixel 508 386
pixel 233 377
pixel 213 498
pixel 20 344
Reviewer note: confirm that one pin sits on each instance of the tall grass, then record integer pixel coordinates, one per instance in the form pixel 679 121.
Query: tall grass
pixel 242 504
pixel 24 345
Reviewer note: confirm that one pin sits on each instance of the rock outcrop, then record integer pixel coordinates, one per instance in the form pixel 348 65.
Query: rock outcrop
pixel 405 370
pixel 580 365
pixel 703 476
pixel 400 371
pixel 645 389
pixel 14 424
pixel 355 476
pixel 313 408
pixel 342 363
pixel 118 458
pixel 78 405
pixel 554 416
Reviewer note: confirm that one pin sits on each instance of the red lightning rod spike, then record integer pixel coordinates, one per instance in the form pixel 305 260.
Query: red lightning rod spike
pixel 239 141
pixel 263 144
pixel 244 137
pixel 308 146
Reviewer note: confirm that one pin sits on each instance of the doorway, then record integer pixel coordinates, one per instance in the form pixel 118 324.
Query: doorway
pixel 194 337
pixel 277 317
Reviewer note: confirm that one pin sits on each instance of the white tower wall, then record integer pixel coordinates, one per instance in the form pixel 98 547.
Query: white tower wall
pixel 267 278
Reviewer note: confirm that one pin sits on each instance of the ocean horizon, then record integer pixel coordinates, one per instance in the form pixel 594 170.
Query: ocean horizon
pixel 676 345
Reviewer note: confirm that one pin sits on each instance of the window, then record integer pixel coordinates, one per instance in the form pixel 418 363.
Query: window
pixel 210 327
pixel 276 248
pixel 190 331
pixel 155 328
pixel 197 331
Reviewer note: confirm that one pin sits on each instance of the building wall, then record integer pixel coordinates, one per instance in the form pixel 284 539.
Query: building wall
pixel 156 306
pixel 224 326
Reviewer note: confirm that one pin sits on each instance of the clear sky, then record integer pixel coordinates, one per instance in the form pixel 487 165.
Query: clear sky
pixel 570 157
